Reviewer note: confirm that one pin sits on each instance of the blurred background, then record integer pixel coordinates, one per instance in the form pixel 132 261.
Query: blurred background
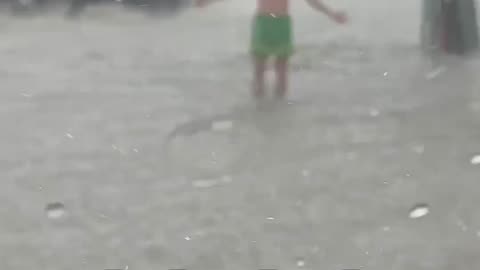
pixel 129 141
pixel 75 7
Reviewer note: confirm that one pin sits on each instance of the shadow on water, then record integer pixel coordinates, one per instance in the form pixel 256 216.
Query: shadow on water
pixel 445 121
pixel 448 86
pixel 246 127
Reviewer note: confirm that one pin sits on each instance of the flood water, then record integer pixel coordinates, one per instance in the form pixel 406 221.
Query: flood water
pixel 130 142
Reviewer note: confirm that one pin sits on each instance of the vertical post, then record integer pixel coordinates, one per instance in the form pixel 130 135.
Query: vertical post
pixel 450 26
pixel 430 25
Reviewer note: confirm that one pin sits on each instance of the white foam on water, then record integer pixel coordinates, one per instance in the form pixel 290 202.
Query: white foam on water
pixel 475 160
pixel 419 211
pixel 419 149
pixel 435 72
pixel 204 183
pixel 462 225
pixel 209 183
pixel 226 179
pixel 300 263
pixel 374 112
pixel 222 125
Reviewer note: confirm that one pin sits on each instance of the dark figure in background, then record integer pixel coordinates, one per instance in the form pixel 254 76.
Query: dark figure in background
pixel 78 6
pixel 460 26
pixel 27 7
pixel 149 6
pixel 450 26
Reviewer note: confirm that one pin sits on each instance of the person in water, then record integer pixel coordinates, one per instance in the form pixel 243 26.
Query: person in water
pixel 272 37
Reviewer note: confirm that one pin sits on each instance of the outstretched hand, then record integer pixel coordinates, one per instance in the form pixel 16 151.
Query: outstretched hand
pixel 339 17
pixel 201 3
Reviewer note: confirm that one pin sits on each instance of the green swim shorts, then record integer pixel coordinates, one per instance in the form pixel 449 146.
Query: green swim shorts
pixel 272 36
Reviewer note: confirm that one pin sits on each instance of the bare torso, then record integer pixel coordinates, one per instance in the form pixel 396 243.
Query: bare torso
pixel 276 7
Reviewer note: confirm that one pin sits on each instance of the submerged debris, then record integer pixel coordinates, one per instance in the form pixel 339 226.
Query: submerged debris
pixel 55 210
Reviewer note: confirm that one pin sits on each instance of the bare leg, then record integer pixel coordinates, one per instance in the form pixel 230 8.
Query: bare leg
pixel 259 76
pixel 281 70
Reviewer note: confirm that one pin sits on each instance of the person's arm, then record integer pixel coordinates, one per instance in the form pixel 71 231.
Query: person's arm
pixel 339 17
pixel 202 3
pixel 320 6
